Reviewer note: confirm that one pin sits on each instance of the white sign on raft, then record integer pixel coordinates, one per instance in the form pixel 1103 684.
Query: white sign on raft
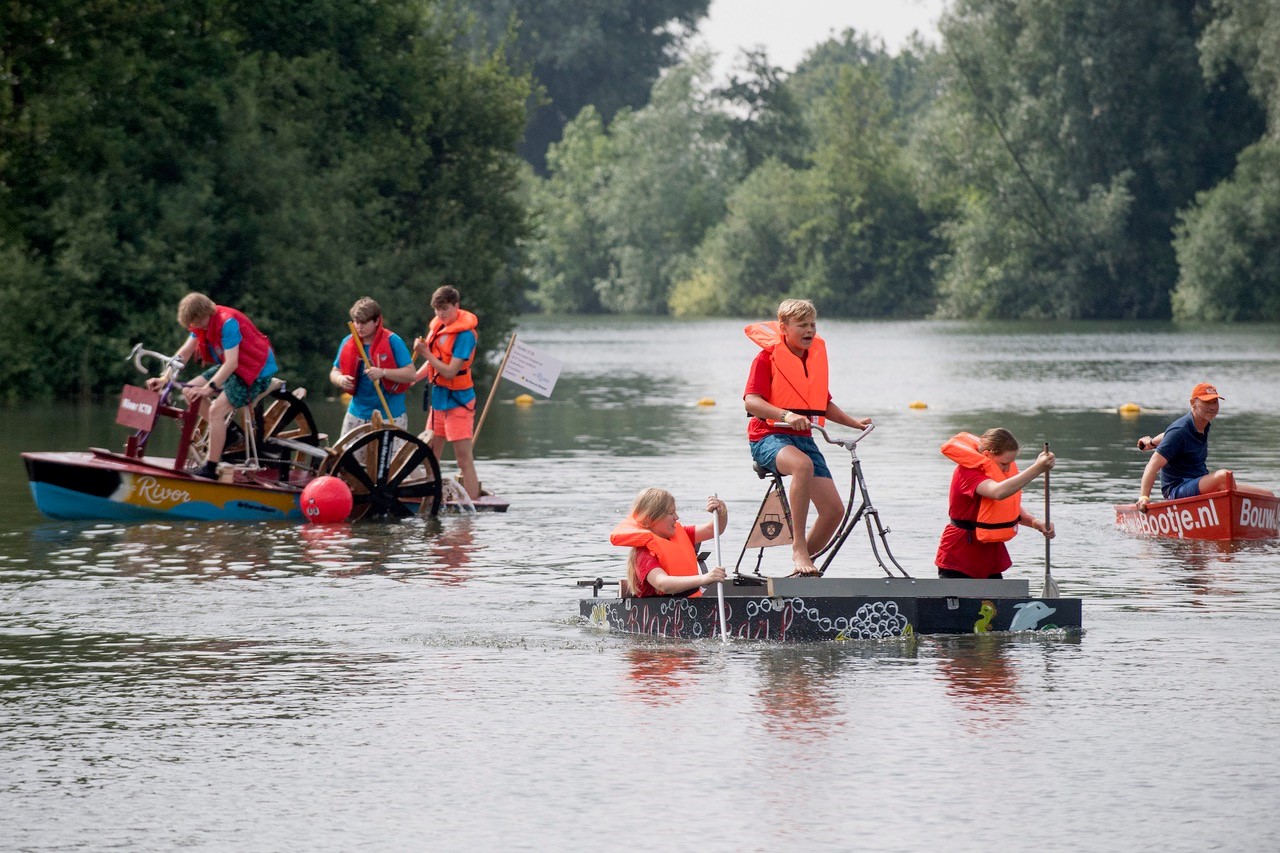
pixel 527 367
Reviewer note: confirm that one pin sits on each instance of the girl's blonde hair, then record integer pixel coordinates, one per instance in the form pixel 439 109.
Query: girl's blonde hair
pixel 998 440
pixel 649 507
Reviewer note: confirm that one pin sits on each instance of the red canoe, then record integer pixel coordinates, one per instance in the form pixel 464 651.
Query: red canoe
pixel 1240 512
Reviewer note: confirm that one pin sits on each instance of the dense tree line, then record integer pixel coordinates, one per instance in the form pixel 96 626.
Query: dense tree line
pixel 1076 159
pixel 285 158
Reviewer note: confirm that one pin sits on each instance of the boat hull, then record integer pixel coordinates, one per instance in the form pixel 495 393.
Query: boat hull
pixel 1237 513
pixel 808 610
pixel 87 486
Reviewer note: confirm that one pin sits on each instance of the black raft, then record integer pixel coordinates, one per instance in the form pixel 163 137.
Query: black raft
pixel 810 609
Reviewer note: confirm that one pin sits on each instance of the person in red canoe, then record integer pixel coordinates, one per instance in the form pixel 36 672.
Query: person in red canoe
pixel 1182 453
pixel 664 553
pixel 985 504
pixel 788 385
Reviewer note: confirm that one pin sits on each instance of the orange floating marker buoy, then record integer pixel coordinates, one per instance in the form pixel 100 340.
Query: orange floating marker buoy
pixel 706 401
pixel 917 404
pixel 326 500
pixel 524 400
pixel 1130 408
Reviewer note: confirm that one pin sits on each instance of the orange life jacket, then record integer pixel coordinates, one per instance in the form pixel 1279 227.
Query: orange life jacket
pixel 799 385
pixel 440 339
pixel 677 556
pixel 380 355
pixel 997 521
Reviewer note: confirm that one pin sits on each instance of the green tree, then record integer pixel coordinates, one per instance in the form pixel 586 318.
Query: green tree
pixel 1227 246
pixel 847 232
pixel 570 255
pixel 282 158
pixel 601 53
pixel 1073 132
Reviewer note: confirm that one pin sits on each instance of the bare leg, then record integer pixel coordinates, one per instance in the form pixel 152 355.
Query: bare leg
pixel 218 412
pixel 793 462
pixel 830 510
pixel 1216 482
pixel 467 465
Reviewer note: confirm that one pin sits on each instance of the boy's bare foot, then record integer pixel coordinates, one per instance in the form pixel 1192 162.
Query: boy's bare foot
pixel 808 570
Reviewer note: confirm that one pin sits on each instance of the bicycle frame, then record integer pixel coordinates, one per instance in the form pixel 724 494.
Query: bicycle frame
pixel 865 511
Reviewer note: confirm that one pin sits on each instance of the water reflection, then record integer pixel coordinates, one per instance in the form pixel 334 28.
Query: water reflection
pixel 451 550
pixel 991 677
pixel 658 674
pixel 978 676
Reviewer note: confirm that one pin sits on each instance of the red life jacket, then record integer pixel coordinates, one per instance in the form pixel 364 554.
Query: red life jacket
pixel 677 556
pixel 380 355
pixel 254 345
pixel 997 521
pixel 440 338
pixel 798 385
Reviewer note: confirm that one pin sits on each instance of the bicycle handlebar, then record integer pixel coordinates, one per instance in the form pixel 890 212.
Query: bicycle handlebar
pixel 846 443
pixel 138 353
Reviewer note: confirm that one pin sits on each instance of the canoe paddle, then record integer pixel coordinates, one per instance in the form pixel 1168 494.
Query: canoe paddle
pixel 715 532
pixel 364 356
pixel 1050 589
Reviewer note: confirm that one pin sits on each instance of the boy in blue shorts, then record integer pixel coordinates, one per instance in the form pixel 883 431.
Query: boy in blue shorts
pixel 788 384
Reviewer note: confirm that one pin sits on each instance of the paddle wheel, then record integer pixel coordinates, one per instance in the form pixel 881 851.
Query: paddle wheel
pixel 391 473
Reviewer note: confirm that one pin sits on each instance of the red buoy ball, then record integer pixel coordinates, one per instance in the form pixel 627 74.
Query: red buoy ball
pixel 326 500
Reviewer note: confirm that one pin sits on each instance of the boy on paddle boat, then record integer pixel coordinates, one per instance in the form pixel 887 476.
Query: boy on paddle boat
pixel 390 362
pixel 664 553
pixel 449 349
pixel 985 504
pixel 243 365
pixel 1182 453
pixel 788 384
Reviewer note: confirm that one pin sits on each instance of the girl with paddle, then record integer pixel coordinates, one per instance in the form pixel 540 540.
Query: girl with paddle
pixel 664 553
pixel 985 504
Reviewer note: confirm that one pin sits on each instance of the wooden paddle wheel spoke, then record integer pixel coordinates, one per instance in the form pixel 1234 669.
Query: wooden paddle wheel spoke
pixel 390 472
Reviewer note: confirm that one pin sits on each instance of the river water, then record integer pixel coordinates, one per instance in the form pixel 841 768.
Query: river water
pixel 429 685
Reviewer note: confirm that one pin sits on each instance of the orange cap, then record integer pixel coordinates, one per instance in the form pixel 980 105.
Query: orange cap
pixel 1205 391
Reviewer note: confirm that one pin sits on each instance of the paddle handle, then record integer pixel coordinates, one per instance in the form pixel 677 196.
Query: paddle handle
pixel 1046 515
pixel 715 534
pixel 364 356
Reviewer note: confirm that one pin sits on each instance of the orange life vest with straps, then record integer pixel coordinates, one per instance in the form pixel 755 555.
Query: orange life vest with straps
pixel 678 556
pixel 997 521
pixel 380 355
pixel 799 384
pixel 440 338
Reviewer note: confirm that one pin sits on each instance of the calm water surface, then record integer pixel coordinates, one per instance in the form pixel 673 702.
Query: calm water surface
pixel 428 685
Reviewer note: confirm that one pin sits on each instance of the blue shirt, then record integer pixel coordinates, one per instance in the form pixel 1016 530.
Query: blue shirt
pixel 364 401
pixel 231 337
pixel 443 399
pixel 1186 453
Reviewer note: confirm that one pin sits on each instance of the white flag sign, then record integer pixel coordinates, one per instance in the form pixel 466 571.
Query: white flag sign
pixel 527 367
